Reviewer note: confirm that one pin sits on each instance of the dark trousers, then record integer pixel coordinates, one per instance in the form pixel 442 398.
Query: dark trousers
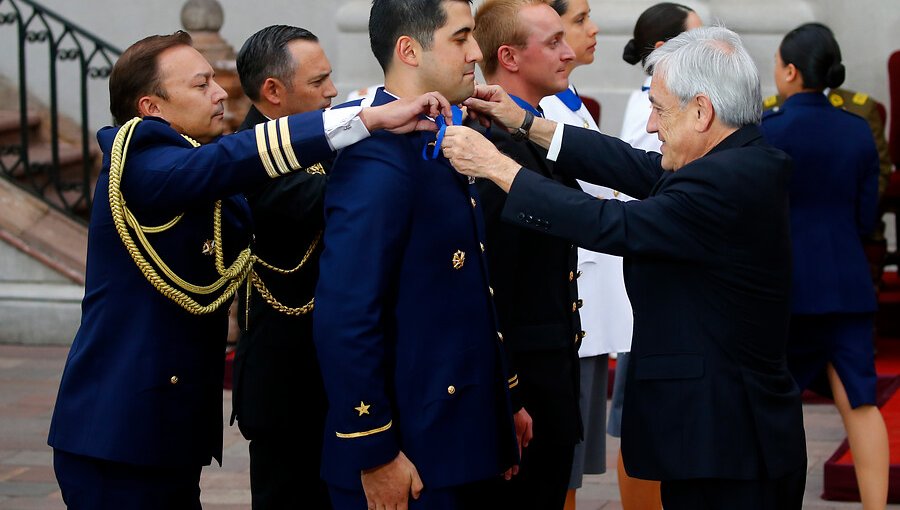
pixel 549 385
pixel 785 493
pixel 284 472
pixel 484 494
pixel 88 483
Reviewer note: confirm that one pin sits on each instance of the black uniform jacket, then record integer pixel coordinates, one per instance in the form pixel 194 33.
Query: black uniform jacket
pixel 275 357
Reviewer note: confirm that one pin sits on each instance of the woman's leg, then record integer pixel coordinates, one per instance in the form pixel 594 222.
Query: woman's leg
pixel 868 439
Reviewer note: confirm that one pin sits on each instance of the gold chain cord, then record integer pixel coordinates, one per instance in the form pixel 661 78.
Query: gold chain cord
pixel 260 286
pixel 231 278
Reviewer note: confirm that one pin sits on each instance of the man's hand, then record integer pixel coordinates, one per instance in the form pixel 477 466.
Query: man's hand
pixel 492 102
pixel 389 486
pixel 405 115
pixel 524 433
pixel 474 155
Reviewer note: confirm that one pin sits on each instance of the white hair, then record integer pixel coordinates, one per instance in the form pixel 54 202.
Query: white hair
pixel 711 61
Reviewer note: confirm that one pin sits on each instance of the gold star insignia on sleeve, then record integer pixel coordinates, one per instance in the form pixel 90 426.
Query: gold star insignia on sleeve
pixel 208 247
pixel 363 408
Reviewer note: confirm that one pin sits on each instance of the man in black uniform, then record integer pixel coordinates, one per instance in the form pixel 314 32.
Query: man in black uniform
pixel 283 71
pixel 532 273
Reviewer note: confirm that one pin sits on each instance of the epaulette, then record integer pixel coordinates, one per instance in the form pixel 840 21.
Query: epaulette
pixel 836 100
pixel 770 101
pixel 860 98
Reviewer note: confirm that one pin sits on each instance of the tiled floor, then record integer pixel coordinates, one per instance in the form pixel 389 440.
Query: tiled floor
pixel 28 381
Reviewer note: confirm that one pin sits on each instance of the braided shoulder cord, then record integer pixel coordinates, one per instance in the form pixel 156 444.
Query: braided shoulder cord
pixel 122 218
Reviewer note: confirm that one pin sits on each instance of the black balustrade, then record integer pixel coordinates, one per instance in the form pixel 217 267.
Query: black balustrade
pixel 39 29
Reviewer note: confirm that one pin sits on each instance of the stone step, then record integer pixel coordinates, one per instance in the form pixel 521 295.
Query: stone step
pixel 9 127
pixel 39 313
pixel 71 169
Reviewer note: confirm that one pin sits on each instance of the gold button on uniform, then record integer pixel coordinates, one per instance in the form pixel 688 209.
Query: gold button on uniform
pixel 174 379
pixel 574 306
pixel 500 336
pixel 451 390
pixel 473 203
pixel 571 276
pixel 459 259
pixel 482 247
pixel 491 289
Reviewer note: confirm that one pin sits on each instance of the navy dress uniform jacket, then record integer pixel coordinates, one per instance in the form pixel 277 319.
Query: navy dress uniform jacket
pixel 834 202
pixel 143 379
pixel 707 268
pixel 404 325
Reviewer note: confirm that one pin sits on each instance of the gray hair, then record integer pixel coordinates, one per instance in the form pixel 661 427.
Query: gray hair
pixel 711 61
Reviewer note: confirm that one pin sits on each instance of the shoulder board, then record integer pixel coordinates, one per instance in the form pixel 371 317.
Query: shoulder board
pixel 770 101
pixel 860 98
pixel 836 99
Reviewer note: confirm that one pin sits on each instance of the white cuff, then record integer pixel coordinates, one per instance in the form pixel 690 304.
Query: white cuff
pixel 343 127
pixel 556 142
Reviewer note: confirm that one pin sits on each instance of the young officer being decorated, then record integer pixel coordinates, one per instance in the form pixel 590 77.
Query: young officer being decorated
pixel 139 410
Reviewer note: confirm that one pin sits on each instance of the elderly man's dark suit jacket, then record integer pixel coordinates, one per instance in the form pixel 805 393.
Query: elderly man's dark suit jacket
pixel 707 268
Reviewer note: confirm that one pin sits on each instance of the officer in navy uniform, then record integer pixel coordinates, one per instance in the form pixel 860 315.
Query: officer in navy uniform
pixel 833 205
pixel 532 273
pixel 404 325
pixel 139 409
pixel 283 71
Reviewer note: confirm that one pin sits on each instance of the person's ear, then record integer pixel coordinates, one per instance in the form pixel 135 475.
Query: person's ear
pixel 408 51
pixel 148 106
pixel 508 58
pixel 658 44
pixel 791 74
pixel 272 91
pixel 704 112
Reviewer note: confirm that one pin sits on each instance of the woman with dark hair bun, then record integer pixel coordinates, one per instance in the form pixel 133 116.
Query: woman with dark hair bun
pixel 654 27
pixel 833 198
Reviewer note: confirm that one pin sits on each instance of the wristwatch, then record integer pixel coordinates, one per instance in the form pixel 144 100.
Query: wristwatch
pixel 521 133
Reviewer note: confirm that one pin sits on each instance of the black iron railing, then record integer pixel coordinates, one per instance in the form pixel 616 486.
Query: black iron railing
pixel 66 44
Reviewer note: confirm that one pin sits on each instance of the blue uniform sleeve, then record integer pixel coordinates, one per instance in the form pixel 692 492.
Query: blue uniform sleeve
pixel 163 172
pixel 368 214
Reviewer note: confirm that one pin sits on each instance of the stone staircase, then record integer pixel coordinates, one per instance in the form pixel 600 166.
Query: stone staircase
pixel 42 250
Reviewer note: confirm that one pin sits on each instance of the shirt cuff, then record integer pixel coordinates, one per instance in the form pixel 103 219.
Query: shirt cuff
pixel 343 127
pixel 556 142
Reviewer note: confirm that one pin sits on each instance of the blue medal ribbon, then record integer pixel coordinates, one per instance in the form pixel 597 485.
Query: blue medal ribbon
pixel 442 129
pixel 570 99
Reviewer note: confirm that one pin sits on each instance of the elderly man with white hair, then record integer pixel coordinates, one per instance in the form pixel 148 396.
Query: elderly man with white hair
pixel 710 407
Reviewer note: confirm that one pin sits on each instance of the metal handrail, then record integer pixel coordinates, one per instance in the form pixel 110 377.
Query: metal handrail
pixel 66 42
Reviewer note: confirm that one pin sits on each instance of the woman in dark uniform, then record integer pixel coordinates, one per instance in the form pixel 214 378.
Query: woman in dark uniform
pixel 833 205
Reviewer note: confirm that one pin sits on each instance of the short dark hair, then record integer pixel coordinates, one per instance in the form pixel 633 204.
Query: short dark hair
pixel 136 74
pixel 812 49
pixel 391 19
pixel 660 22
pixel 265 55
